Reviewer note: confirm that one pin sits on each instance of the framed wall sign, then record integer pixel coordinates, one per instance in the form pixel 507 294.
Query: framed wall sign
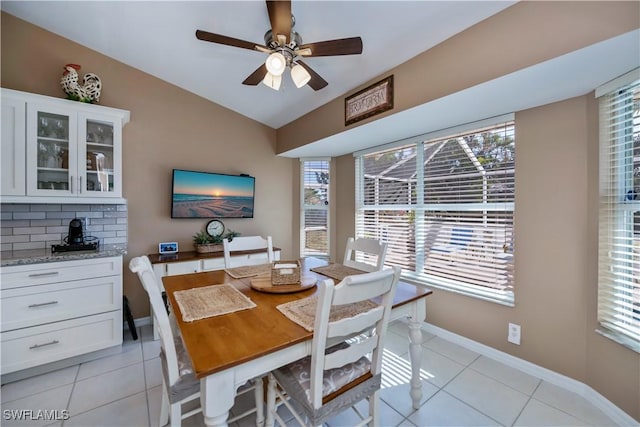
pixel 168 248
pixel 369 101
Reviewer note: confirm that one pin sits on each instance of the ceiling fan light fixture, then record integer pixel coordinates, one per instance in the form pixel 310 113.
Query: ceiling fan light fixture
pixel 272 81
pixel 299 75
pixel 276 63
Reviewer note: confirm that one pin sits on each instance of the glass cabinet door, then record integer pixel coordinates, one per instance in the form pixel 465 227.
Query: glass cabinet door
pixel 52 151
pixel 99 151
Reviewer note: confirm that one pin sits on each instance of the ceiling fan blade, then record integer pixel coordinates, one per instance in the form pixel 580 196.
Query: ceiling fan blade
pixel 229 41
pixel 348 46
pixel 256 77
pixel 280 18
pixel 316 81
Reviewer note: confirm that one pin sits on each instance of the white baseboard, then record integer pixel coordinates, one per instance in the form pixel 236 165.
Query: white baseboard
pixel 595 398
pixel 142 321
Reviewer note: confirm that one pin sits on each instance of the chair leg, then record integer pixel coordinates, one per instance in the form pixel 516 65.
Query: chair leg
pixel 176 414
pixel 259 398
pixel 164 407
pixel 271 401
pixel 374 408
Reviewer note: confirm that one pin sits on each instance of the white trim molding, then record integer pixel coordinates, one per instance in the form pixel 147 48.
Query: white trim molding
pixel 620 417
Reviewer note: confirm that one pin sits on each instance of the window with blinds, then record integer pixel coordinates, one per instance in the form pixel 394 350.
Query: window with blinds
pixel 444 205
pixel 314 221
pixel 619 237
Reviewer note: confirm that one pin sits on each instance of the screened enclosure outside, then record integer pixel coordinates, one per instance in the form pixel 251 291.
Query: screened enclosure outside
pixel 315 208
pixel 445 208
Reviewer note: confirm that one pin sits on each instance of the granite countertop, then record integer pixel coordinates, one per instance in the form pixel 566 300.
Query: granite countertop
pixel 37 256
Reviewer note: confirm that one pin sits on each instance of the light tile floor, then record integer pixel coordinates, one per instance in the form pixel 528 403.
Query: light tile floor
pixel 460 388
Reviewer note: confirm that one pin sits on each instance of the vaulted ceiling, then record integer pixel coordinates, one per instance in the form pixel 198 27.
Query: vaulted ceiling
pixel 158 37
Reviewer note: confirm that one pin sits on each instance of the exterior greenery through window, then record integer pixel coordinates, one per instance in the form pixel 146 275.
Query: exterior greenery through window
pixel 445 207
pixel 619 217
pixel 314 236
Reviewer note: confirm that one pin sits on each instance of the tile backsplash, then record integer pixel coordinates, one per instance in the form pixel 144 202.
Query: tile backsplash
pixel 38 226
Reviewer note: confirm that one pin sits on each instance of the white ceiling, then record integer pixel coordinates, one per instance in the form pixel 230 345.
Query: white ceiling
pixel 158 37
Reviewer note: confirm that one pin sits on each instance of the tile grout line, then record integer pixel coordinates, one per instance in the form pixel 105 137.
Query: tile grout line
pixel 527 402
pixel 73 387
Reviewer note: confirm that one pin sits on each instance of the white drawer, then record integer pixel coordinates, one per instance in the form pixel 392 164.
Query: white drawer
pixel 174 268
pixel 29 347
pixel 54 272
pixel 33 305
pixel 210 264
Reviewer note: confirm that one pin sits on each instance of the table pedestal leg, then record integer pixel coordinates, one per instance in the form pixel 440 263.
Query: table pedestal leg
pixel 415 353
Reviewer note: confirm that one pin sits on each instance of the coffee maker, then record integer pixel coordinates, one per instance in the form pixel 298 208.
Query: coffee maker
pixel 76 239
pixel 76 233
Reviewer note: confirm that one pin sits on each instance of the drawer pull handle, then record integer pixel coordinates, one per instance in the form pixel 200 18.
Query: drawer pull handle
pixel 50 273
pixel 42 303
pixel 35 346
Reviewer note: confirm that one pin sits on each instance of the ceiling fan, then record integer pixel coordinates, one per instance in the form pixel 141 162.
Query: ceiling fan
pixel 285 49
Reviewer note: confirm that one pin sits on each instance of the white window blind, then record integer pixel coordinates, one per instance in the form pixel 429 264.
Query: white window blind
pixel 445 208
pixel 619 237
pixel 314 236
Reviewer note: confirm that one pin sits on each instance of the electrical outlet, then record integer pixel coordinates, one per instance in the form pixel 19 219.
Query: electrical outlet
pixel 514 334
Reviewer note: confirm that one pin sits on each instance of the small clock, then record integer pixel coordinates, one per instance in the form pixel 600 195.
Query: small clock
pixel 215 228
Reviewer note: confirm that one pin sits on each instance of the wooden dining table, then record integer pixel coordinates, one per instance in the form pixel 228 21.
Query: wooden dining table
pixel 228 350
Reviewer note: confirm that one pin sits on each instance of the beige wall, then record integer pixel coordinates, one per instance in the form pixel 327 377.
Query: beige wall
pixel 520 36
pixel 556 190
pixel 169 128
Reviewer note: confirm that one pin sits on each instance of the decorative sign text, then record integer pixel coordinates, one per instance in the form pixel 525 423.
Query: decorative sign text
pixel 370 101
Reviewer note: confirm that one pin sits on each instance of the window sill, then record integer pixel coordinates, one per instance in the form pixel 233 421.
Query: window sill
pixel 624 341
pixel 459 289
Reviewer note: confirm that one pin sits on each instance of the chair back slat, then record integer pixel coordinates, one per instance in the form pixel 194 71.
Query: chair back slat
pixel 364 330
pixel 142 267
pixel 350 325
pixel 365 254
pixel 248 243
pixel 350 354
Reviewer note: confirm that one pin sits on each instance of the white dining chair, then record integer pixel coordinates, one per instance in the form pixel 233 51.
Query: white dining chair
pixel 337 376
pixel 365 254
pixel 248 243
pixel 179 383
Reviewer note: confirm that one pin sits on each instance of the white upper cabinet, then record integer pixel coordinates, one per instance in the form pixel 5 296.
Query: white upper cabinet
pixel 72 151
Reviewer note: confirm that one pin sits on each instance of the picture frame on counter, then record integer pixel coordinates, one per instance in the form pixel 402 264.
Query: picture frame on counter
pixel 166 248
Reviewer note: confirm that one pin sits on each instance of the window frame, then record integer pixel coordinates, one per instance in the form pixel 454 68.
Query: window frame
pixel 420 209
pixel 304 208
pixel 616 259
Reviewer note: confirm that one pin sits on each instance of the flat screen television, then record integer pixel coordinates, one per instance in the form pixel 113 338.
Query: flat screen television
pixel 211 195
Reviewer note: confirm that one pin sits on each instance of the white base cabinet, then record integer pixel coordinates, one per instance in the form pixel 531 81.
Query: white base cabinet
pixel 53 311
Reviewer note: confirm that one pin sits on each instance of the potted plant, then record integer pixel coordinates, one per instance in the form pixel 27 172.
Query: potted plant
pixel 205 243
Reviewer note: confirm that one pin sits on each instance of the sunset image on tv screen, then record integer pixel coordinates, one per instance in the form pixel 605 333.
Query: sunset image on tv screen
pixel 210 195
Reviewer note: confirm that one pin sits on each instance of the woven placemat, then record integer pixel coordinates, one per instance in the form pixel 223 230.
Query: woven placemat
pixel 303 311
pixel 337 271
pixel 209 301
pixel 248 271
